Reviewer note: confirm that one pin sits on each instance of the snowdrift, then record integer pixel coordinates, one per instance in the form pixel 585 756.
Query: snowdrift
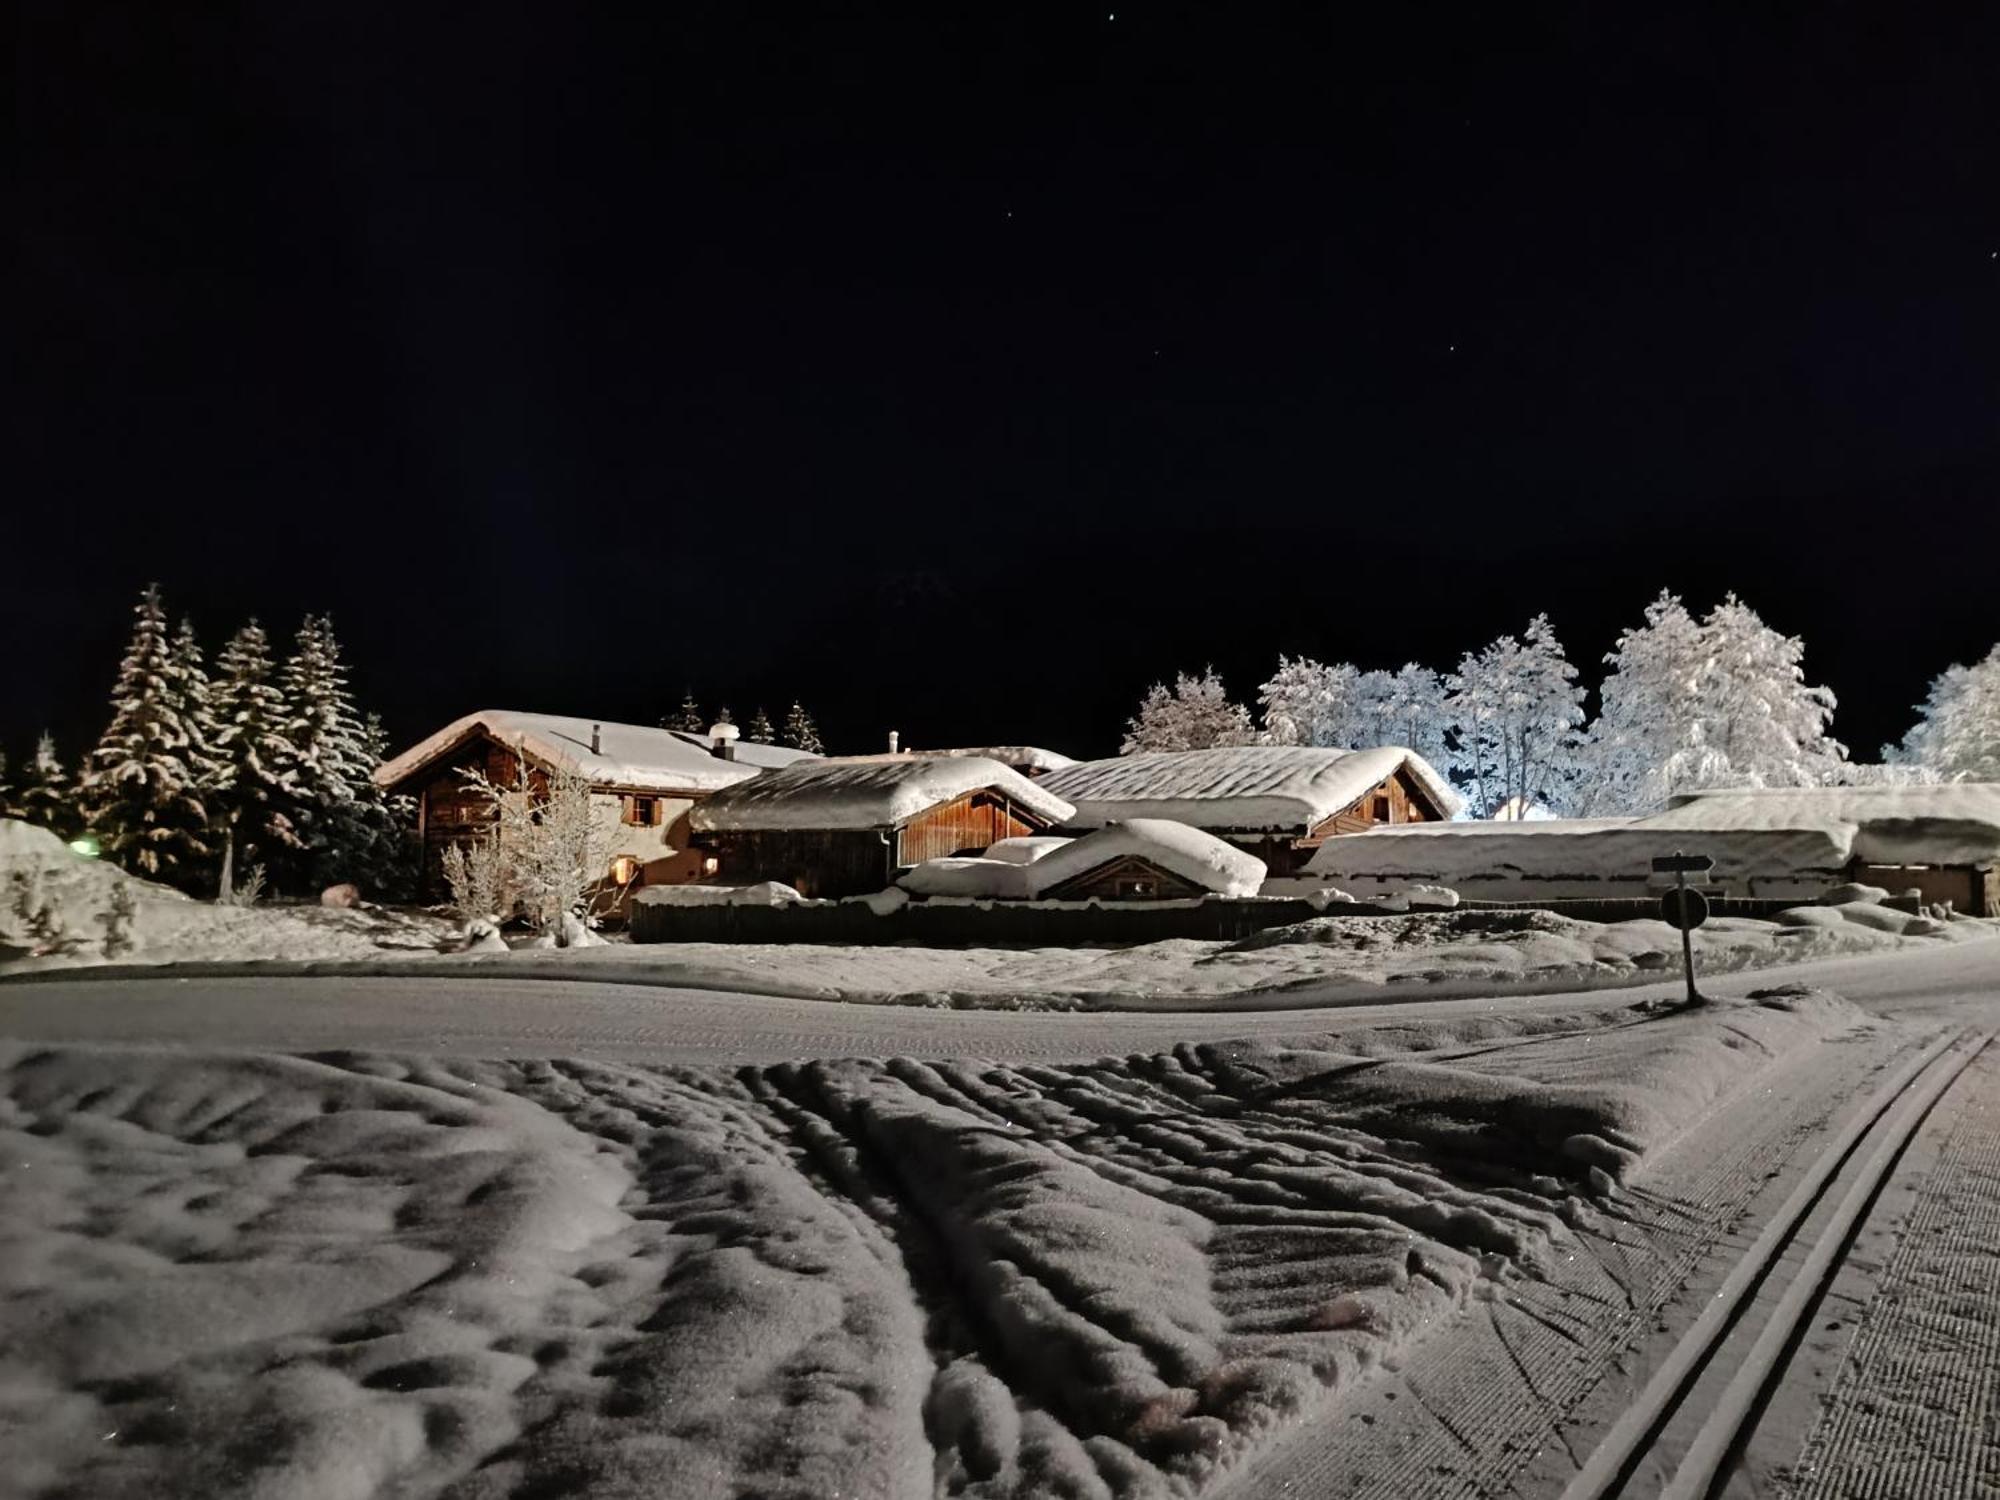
pixel 875 1277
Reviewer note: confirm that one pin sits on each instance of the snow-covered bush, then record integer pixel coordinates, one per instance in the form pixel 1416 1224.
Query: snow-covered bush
pixel 545 857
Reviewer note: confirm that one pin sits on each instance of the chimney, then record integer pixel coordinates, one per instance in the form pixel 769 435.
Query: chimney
pixel 596 738
pixel 722 741
pixel 893 738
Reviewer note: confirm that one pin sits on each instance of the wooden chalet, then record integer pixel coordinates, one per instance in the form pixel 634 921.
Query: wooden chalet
pixel 850 826
pixel 1277 802
pixel 644 782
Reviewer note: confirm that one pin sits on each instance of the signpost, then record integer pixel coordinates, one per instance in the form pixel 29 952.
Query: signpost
pixel 1684 908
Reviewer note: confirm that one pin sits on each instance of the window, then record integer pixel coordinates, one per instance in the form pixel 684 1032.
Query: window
pixel 1133 888
pixel 639 811
pixel 625 869
pixel 1383 812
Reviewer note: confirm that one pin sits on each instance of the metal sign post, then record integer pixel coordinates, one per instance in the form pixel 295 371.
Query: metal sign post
pixel 1684 908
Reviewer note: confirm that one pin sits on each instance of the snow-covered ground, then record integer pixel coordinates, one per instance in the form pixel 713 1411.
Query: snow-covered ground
pixel 38 871
pixel 1327 961
pixel 364 1275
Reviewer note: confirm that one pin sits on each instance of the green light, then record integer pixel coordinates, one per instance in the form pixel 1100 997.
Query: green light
pixel 87 847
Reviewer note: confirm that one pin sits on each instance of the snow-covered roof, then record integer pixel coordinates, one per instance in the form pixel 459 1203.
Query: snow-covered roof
pixel 1953 822
pixel 748 752
pixel 1200 858
pixel 1244 788
pixel 867 792
pixel 627 755
pixel 1029 760
pixel 1197 857
pixel 1606 849
pixel 1027 849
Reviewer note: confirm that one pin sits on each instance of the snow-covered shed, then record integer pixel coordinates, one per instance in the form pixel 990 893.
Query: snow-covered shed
pixel 643 780
pixel 1562 859
pixel 1278 802
pixel 841 827
pixel 1145 859
pixel 1141 859
pixel 1783 843
pixel 1942 839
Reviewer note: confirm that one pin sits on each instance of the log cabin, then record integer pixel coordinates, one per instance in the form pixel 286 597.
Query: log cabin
pixel 644 782
pixel 1277 802
pixel 849 826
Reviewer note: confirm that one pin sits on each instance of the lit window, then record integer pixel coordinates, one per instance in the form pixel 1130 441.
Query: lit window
pixel 710 865
pixel 624 869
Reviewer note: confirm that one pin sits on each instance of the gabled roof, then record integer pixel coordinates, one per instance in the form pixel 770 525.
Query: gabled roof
pixel 1199 858
pixel 628 755
pixel 867 792
pixel 1241 789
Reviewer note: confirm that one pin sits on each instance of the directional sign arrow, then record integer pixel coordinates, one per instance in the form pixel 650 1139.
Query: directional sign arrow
pixel 1692 864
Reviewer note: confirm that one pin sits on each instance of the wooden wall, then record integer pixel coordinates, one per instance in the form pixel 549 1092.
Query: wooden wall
pixel 972 823
pixel 820 863
pixel 1969 891
pixel 828 863
pixel 1126 878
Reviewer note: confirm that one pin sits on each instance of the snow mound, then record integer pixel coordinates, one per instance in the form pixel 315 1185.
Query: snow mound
pixel 983 879
pixel 762 893
pixel 862 793
pixel 40 872
pixel 1025 851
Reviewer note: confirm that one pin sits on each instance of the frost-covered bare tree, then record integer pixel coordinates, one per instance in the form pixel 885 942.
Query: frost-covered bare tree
pixel 1957 733
pixel 1517 716
pixel 1195 714
pixel 1720 701
pixel 1312 703
pixel 544 857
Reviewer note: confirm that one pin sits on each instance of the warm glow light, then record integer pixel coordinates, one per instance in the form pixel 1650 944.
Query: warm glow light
pixel 710 865
pixel 624 869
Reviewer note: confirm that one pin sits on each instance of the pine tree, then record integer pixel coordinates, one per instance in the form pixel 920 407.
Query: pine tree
pixel 1517 715
pixel 325 764
pixel 1957 733
pixel 256 783
pixel 688 717
pixel 142 787
pixel 723 716
pixel 801 733
pixel 44 796
pixel 1195 714
pixel 760 731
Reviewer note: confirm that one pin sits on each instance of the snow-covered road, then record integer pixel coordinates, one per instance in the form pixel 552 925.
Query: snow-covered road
pixel 482 1016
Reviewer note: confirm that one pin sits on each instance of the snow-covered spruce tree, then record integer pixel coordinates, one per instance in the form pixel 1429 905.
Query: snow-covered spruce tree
pixel 760 731
pixel 332 806
pixel 43 794
pixel 143 788
pixel 1517 712
pixel 257 786
pixel 801 733
pixel 1957 733
pixel 1195 714
pixel 1405 707
pixel 688 717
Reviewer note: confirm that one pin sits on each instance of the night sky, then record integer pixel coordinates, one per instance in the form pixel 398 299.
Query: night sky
pixel 964 369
